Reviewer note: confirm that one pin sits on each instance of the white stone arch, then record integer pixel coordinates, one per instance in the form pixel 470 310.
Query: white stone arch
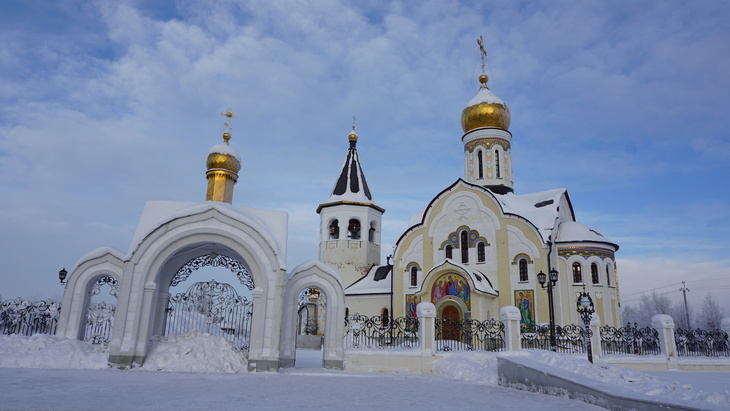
pixel 315 274
pixel 152 264
pixel 89 268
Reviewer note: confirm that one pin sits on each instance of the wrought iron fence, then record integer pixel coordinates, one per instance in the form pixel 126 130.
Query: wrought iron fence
pixel 568 338
pixel 24 317
pixel 379 332
pixel 469 335
pixel 212 307
pixel 630 340
pixel 702 343
pixel 99 322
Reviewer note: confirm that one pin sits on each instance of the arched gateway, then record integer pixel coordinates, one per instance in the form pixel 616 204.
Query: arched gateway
pixel 169 235
pixel 171 239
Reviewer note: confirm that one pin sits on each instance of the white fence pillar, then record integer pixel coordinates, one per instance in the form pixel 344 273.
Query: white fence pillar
pixel 510 316
pixel 596 348
pixel 664 325
pixel 426 331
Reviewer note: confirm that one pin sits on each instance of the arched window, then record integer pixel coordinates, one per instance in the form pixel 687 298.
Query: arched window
pixel 481 252
pixel 371 233
pixel 594 273
pixel 449 252
pixel 608 276
pixel 353 229
pixel 414 276
pixel 334 230
pixel 385 317
pixel 523 269
pixel 464 247
pixel 577 275
pixel 497 171
pixel 481 163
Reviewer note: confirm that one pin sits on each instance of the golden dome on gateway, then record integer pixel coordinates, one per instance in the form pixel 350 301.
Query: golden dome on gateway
pixel 223 157
pixel 485 110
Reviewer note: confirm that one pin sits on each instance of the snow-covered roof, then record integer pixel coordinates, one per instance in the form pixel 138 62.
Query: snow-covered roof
pixel 271 225
pixel 99 252
pixel 224 148
pixel 372 283
pixel 541 208
pixel 575 231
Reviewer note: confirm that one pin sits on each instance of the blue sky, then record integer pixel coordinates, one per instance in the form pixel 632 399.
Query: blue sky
pixel 107 104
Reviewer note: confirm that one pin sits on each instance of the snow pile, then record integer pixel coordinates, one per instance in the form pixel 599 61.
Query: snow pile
pixel 47 351
pixel 194 352
pixel 579 370
pixel 474 366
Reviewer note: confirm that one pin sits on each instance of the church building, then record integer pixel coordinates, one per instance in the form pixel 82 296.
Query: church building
pixel 477 245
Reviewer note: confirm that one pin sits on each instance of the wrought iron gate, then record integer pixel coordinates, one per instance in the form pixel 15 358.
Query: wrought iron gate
pixel 100 314
pixel 212 307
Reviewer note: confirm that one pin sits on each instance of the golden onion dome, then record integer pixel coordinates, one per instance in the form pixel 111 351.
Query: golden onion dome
pixel 224 157
pixel 485 110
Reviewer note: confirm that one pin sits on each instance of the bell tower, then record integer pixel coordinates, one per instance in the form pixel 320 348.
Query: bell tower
pixel 487 150
pixel 350 222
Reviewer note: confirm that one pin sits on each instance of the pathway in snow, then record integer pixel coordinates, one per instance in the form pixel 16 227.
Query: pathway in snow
pixel 292 390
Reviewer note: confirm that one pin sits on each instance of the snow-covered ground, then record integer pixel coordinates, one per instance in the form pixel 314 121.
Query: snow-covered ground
pixel 198 371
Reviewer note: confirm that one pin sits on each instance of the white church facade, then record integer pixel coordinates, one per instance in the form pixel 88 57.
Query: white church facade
pixel 475 248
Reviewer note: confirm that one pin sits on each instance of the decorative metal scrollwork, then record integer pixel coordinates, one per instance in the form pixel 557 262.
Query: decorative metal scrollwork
pixel 214 260
pixel 568 338
pixel 212 307
pixel 24 317
pixel 469 335
pixel 99 322
pixel 381 332
pixel 702 343
pixel 629 340
pixel 104 280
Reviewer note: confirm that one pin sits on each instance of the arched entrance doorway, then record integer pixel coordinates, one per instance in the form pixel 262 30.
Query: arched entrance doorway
pixel 450 320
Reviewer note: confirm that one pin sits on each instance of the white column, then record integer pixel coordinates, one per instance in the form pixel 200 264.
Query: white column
pixel 664 325
pixel 426 331
pixel 510 316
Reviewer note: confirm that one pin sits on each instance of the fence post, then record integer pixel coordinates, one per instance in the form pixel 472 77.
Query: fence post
pixel 664 325
pixel 510 316
pixel 426 332
pixel 596 348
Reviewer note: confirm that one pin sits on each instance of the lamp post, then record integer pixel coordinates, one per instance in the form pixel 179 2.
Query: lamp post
pixel 62 275
pixel 586 310
pixel 542 279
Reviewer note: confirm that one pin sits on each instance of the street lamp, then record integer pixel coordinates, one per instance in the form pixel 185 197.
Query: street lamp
pixel 586 310
pixel 542 279
pixel 62 275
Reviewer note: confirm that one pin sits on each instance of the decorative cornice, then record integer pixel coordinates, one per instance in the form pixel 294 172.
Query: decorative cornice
pixel 585 252
pixel 487 143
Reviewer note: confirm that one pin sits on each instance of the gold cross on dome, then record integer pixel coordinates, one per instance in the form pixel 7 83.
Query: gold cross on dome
pixel 229 114
pixel 482 50
pixel 353 123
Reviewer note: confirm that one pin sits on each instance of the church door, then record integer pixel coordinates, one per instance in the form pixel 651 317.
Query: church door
pixel 450 323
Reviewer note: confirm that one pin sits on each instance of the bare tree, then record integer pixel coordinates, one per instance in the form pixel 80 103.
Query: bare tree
pixel 654 303
pixel 711 314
